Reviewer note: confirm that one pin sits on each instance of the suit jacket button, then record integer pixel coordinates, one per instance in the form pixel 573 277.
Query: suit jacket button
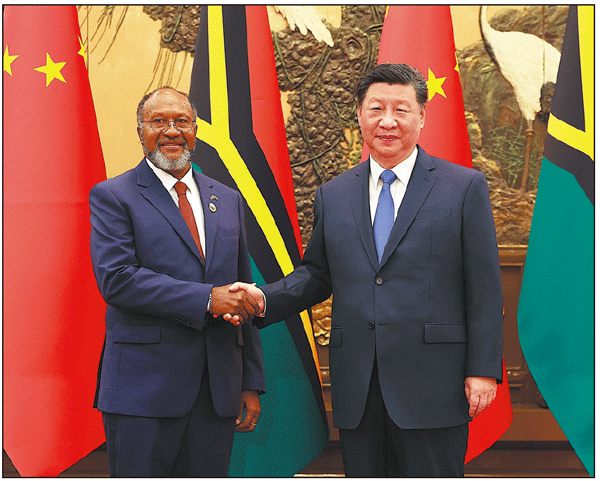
pixel 371 325
pixel 379 281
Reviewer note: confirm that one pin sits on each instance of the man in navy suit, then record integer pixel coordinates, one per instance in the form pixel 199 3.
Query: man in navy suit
pixel 407 245
pixel 175 379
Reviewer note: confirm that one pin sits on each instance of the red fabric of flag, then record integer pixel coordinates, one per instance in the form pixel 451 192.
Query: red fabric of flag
pixel 492 423
pixel 53 311
pixel 264 90
pixel 423 37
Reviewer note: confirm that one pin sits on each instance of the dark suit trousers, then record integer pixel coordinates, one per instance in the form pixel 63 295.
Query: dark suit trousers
pixel 379 448
pixel 196 445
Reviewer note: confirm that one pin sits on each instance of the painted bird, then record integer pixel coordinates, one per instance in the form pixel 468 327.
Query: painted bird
pixel 305 17
pixel 529 64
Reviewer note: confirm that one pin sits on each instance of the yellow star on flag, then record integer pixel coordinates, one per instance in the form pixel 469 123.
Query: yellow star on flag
pixel 82 51
pixel 52 70
pixel 8 59
pixel 434 85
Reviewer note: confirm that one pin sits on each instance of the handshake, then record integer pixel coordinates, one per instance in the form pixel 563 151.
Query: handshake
pixel 237 303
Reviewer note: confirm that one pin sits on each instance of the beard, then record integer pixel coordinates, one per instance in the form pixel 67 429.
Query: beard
pixel 163 163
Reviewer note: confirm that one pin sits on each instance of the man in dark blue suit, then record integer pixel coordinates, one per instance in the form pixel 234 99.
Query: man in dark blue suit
pixel 175 379
pixel 407 245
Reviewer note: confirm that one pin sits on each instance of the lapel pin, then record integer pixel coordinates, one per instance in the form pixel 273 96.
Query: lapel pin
pixel 212 207
pixel 213 197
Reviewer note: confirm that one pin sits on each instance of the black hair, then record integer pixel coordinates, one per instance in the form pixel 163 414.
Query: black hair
pixel 393 73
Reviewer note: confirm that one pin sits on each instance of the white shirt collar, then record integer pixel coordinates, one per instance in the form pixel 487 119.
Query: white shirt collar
pixel 169 181
pixel 403 170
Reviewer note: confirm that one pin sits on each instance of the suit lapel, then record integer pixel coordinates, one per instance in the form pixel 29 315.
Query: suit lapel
pixel 420 184
pixel 210 207
pixel 359 197
pixel 155 193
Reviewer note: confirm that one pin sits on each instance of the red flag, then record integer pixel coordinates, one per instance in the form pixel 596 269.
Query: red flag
pixel 422 36
pixel 264 89
pixel 53 311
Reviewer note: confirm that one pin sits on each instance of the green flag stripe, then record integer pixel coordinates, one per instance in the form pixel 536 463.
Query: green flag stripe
pixel 556 307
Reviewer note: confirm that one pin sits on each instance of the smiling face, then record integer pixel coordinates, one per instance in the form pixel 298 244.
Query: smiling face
pixel 171 147
pixel 390 120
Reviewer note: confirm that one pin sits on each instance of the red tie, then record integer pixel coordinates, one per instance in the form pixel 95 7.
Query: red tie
pixel 188 214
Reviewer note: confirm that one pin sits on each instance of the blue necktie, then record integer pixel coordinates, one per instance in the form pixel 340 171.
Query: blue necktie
pixel 384 215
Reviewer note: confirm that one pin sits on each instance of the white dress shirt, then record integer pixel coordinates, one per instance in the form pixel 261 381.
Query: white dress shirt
pixel 192 194
pixel 403 172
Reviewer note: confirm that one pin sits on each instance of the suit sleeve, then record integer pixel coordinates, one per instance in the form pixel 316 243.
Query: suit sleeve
pixel 253 377
pixel 483 284
pixel 308 284
pixel 127 285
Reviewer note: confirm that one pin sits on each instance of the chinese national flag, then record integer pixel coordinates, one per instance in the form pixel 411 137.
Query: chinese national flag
pixel 422 37
pixel 53 311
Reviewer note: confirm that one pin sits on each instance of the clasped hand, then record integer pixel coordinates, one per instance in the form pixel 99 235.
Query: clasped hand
pixel 234 304
pixel 247 292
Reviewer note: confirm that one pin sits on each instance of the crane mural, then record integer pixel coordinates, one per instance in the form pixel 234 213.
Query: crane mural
pixel 530 65
pixel 504 112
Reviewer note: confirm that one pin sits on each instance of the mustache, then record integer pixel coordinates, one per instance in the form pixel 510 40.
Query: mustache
pixel 163 163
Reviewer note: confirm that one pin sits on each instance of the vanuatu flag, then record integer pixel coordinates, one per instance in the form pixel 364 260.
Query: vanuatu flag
pixel 242 143
pixel 556 307
pixel 53 312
